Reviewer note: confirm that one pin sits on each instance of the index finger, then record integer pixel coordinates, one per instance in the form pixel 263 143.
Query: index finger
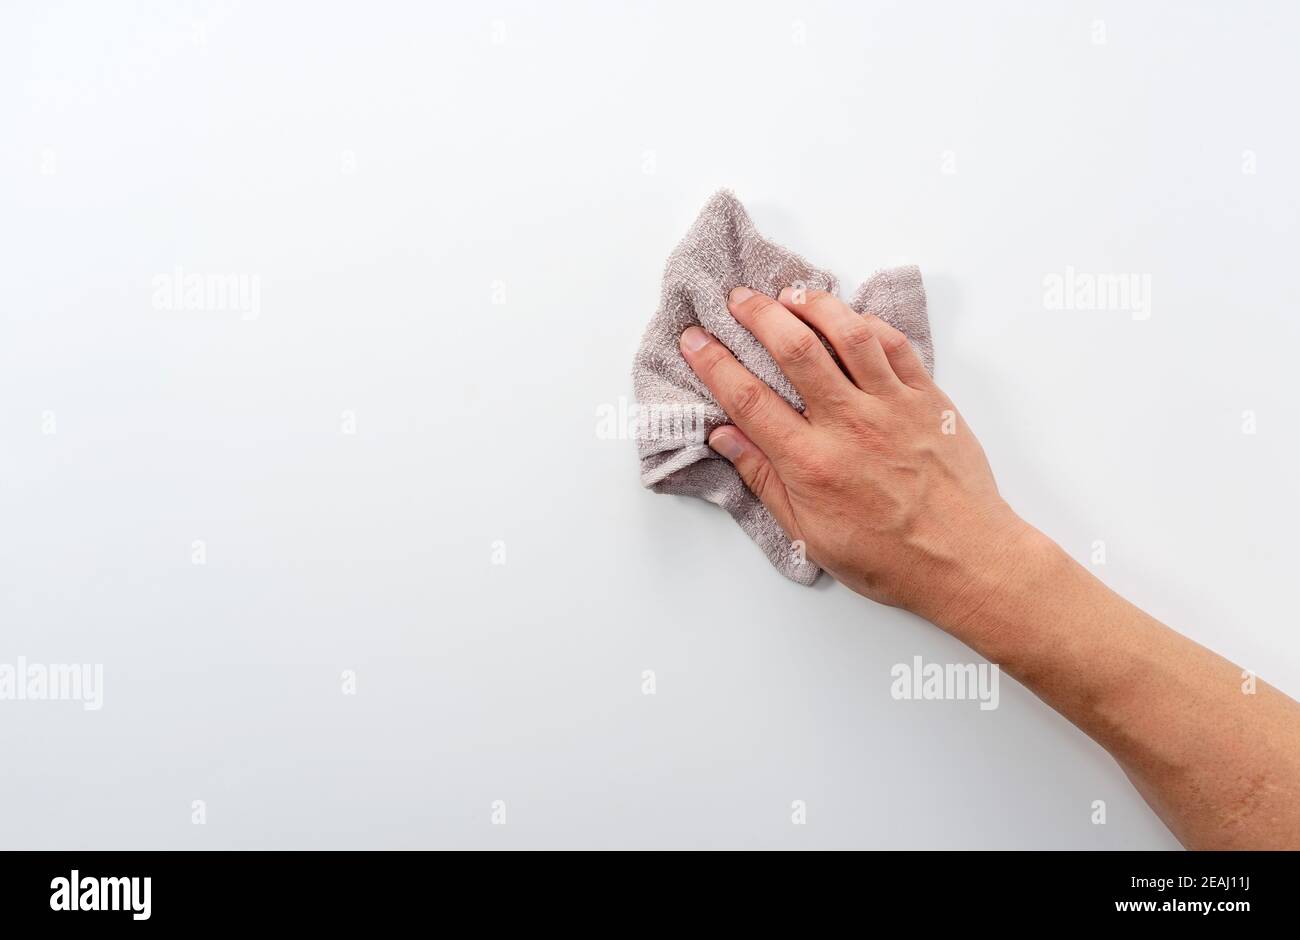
pixel 753 407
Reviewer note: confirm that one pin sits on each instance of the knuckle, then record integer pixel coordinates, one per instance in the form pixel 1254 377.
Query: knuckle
pixel 747 400
pixel 751 306
pixel 760 307
pixel 711 356
pixel 858 335
pixel 800 348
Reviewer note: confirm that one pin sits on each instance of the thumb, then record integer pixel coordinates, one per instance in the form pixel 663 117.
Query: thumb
pixel 758 473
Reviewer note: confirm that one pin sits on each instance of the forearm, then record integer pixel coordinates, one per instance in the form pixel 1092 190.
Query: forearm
pixel 1217 757
pixel 888 489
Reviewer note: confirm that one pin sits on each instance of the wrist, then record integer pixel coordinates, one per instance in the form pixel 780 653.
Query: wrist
pixel 1011 571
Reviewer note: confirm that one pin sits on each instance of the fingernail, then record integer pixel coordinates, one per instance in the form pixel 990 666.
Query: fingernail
pixel 694 339
pixel 787 294
pixel 727 444
pixel 739 295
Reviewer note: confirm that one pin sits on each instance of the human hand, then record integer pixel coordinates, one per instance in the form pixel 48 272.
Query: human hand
pixel 879 476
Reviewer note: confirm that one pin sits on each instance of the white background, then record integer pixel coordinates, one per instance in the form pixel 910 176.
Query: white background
pixel 387 172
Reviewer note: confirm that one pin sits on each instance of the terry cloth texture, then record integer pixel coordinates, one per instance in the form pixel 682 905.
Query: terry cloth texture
pixel 676 412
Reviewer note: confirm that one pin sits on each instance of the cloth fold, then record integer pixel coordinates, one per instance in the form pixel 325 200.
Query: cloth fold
pixel 676 412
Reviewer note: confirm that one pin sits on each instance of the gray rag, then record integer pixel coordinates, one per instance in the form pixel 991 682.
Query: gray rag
pixel 676 412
